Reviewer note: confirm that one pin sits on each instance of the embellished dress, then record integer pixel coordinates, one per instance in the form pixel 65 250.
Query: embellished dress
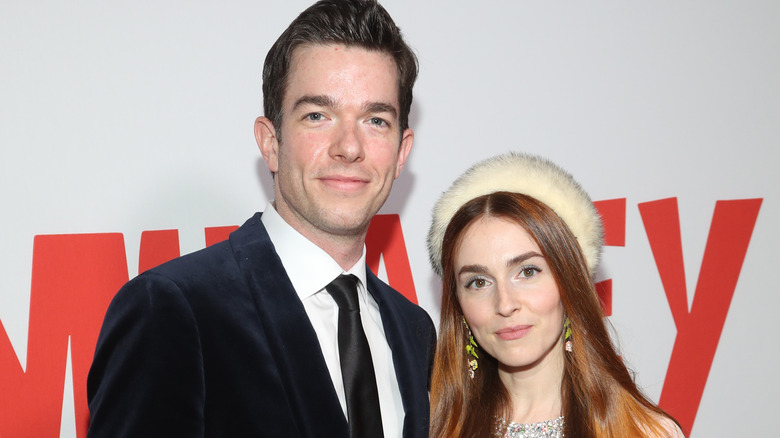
pixel 543 429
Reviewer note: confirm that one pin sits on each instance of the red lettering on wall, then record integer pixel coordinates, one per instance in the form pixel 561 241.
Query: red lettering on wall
pixel 218 234
pixel 74 278
pixel 157 247
pixel 698 331
pixel 604 291
pixel 613 217
pixel 386 238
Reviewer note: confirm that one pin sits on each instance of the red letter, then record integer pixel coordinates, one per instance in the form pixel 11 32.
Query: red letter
pixel 698 331
pixel 613 217
pixel 218 234
pixel 157 247
pixel 74 278
pixel 386 239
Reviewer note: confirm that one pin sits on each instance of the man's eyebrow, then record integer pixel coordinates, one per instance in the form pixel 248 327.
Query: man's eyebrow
pixel 330 102
pixel 380 107
pixel 321 100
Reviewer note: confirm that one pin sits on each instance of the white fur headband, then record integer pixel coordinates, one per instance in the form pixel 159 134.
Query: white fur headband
pixel 530 175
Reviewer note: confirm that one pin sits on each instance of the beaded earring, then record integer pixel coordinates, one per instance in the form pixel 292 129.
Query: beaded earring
pixel 471 351
pixel 567 335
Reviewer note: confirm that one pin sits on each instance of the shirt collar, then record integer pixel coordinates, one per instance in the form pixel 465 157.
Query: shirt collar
pixel 309 267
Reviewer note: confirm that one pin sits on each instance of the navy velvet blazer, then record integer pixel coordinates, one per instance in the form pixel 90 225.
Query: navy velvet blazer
pixel 217 344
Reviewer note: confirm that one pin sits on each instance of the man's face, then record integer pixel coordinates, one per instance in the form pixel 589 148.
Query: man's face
pixel 339 152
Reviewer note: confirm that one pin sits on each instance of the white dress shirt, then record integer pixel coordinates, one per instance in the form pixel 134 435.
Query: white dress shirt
pixel 310 269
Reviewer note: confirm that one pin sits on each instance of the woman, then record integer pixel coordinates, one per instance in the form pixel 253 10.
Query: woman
pixel 523 347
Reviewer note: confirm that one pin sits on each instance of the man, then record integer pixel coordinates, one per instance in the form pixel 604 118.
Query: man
pixel 244 338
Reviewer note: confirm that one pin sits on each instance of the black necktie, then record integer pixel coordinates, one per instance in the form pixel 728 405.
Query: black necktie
pixel 357 368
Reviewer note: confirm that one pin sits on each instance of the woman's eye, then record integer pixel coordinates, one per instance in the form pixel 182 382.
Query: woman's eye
pixel 529 271
pixel 476 283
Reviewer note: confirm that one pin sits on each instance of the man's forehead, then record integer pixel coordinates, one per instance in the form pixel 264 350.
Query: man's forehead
pixel 306 52
pixel 336 47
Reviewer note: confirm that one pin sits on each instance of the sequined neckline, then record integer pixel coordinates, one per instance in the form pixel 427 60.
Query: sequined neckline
pixel 543 429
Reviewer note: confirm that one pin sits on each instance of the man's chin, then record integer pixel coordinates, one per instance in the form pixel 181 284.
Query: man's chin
pixel 347 229
pixel 345 224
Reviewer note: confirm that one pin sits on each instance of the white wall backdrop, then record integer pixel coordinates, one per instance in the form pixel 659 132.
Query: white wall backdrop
pixel 121 117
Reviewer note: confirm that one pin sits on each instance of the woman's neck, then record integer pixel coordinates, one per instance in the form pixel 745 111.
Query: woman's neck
pixel 535 391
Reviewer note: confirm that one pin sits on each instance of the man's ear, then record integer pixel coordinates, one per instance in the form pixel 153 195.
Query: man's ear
pixel 265 134
pixel 407 139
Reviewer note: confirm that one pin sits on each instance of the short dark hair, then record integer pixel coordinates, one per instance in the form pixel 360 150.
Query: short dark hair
pixel 361 23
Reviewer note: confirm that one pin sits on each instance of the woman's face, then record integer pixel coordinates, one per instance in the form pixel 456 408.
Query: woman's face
pixel 508 294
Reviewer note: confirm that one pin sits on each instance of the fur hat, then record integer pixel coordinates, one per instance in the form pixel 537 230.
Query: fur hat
pixel 533 176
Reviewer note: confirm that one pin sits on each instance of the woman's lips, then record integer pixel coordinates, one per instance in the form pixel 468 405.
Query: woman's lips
pixel 514 332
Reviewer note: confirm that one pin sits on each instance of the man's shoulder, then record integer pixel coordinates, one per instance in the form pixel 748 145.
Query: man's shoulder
pixel 201 278
pixel 390 296
pixel 387 292
pixel 218 253
pixel 201 259
pixel 216 264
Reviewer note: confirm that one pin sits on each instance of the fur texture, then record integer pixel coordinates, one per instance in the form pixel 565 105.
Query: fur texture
pixel 533 176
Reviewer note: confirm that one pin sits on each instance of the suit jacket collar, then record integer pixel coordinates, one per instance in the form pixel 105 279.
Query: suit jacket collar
pixel 291 338
pixel 400 338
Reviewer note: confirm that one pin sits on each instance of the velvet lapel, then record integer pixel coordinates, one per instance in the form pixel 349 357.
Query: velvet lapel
pixel 400 337
pixel 291 338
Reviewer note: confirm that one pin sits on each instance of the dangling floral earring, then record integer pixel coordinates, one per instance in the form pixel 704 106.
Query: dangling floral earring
pixel 567 335
pixel 471 351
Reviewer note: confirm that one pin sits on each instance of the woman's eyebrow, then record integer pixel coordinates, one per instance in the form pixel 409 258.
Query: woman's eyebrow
pixel 473 269
pixel 522 258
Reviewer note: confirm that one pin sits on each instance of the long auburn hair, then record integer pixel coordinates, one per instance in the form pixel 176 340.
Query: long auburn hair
pixel 599 396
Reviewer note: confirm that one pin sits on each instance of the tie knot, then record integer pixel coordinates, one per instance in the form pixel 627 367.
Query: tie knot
pixel 344 292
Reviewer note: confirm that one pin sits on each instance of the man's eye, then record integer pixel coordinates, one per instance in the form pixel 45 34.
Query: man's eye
pixel 314 117
pixel 377 121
